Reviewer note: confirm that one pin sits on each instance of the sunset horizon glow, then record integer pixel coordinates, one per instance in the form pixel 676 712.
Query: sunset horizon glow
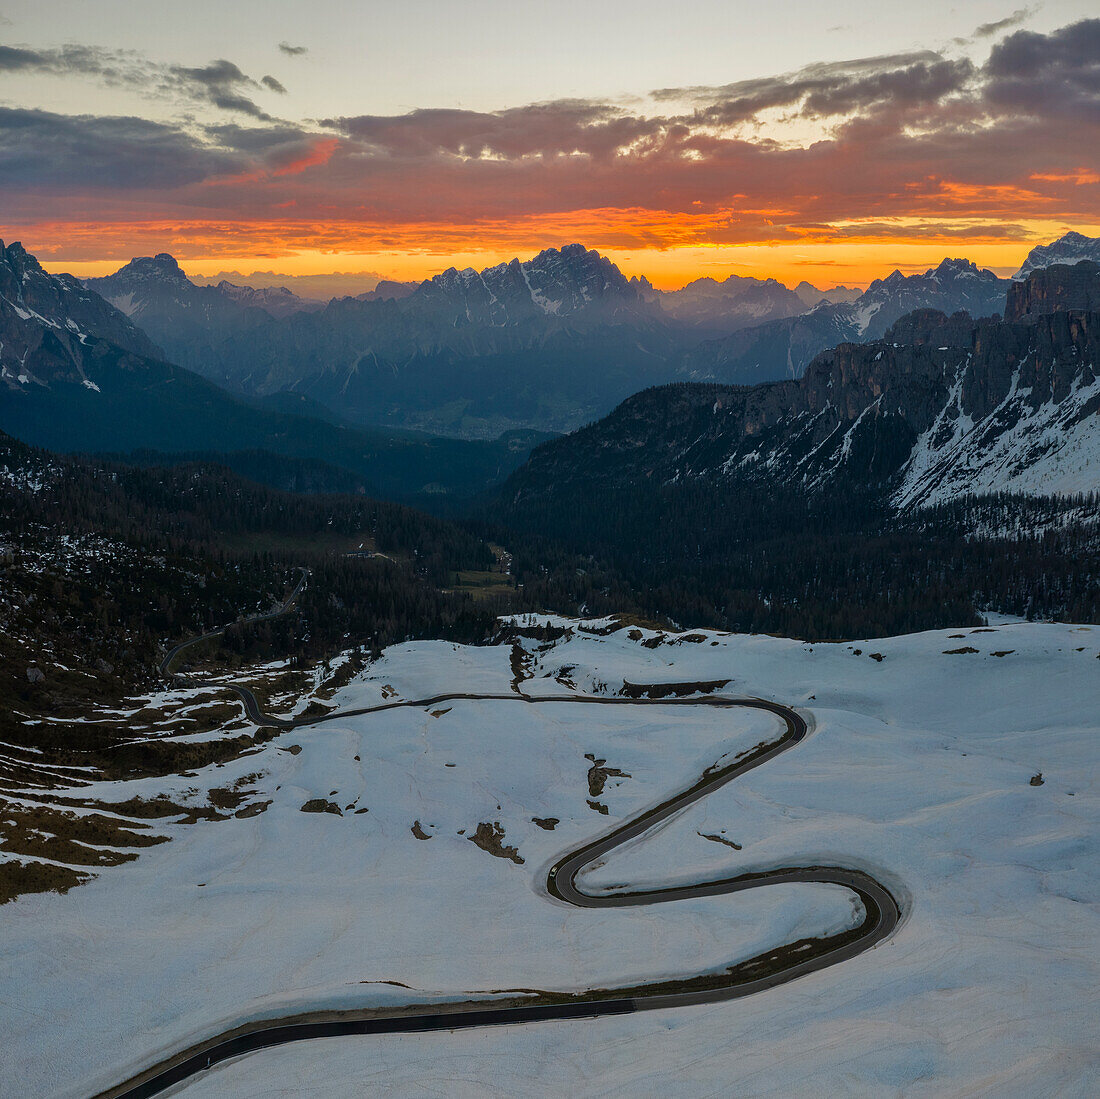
pixel 822 263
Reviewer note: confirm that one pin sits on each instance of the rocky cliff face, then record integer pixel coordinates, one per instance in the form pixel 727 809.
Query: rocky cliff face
pixel 1054 289
pixel 996 407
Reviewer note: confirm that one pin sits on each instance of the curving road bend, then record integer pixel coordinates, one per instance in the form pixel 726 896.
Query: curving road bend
pixel 786 963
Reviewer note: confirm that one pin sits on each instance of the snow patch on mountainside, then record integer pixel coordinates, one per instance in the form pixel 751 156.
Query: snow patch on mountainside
pixel 1050 450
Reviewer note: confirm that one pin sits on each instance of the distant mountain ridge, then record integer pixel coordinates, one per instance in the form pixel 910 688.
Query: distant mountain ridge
pixel 547 343
pixel 716 308
pixel 810 295
pixel 191 322
pixel 551 341
pixel 784 348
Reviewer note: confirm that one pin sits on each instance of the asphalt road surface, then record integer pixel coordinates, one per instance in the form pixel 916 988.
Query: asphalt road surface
pixel 881 914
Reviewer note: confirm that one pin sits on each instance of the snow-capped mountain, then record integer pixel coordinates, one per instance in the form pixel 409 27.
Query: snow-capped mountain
pixel 1068 249
pixel 562 282
pixel 962 406
pixel 50 323
pixel 783 348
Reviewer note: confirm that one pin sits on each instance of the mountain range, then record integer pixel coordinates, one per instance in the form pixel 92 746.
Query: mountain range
pixel 549 343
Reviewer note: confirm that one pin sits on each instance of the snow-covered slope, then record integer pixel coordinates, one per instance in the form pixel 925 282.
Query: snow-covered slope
pixel 1024 444
pixel 919 768
pixel 1071 248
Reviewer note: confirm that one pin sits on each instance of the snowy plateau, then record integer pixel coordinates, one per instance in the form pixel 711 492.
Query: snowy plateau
pixel 919 768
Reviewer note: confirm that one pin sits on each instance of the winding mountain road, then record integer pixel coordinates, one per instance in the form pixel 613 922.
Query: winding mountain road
pixel 881 914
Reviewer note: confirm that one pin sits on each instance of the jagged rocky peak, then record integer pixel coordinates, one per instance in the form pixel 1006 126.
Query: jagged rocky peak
pixel 719 307
pixel 947 271
pixel 143 281
pixel 17 259
pixel 279 301
pixel 556 282
pixel 388 290
pixel 574 276
pixel 160 267
pixel 156 292
pixel 811 296
pixel 1055 289
pixel 1067 249
pixel 48 323
pixel 960 268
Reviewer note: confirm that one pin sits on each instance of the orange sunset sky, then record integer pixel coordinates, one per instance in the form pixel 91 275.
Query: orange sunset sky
pixel 817 142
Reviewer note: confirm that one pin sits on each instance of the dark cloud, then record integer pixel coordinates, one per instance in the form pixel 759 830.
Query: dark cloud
pixel 13 59
pixel 255 140
pixel 43 151
pixel 988 30
pixel 112 66
pixel 1054 76
pixel 221 83
pixel 293 51
pixel 856 89
pixel 566 127
pixel 831 89
pixel 785 88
